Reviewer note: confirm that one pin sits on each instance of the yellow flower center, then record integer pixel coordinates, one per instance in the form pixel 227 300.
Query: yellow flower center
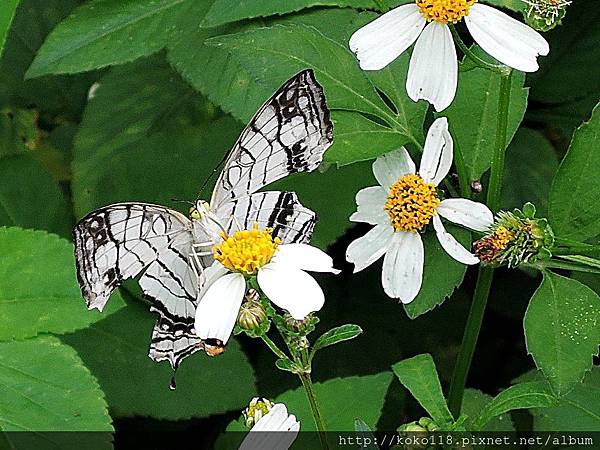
pixel 411 203
pixel 444 11
pixel 246 251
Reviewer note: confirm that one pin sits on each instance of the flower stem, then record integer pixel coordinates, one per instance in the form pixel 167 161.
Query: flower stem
pixel 465 356
pixel 485 275
pixel 500 68
pixel 314 407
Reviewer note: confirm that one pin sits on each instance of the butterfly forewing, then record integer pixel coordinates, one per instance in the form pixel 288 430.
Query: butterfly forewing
pixel 288 134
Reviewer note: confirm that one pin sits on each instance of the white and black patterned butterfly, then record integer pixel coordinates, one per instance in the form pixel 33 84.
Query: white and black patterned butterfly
pixel 288 134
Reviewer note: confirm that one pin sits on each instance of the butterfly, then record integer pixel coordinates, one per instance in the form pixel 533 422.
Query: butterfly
pixel 290 133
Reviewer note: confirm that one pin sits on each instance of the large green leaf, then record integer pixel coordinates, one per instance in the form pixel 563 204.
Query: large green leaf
pixel 221 11
pixel 562 330
pixel 7 13
pixel 531 163
pixel 473 402
pixel 473 115
pixel 38 286
pixel 419 376
pixel 155 151
pixel 518 396
pixel 100 33
pixel 59 95
pixel 44 386
pixel 341 401
pixel 442 274
pixel 116 351
pixel 576 188
pixel 579 410
pixel 30 198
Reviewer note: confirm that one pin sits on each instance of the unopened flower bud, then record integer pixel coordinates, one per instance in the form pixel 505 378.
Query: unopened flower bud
pixel 296 325
pixel 543 15
pixel 252 313
pixel 257 408
pixel 515 238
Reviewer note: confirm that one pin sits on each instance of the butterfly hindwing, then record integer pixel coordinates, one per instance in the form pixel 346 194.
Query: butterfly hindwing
pixel 281 211
pixel 288 134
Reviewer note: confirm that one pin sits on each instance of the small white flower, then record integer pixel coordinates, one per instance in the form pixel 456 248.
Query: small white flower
pixel 280 272
pixel 433 69
pixel 275 430
pixel 401 207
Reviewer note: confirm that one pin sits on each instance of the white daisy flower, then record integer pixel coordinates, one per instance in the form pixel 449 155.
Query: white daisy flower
pixel 404 203
pixel 279 270
pixel 433 68
pixel 274 428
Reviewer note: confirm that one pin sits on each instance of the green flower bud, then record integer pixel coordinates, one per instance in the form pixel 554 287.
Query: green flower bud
pixel 252 313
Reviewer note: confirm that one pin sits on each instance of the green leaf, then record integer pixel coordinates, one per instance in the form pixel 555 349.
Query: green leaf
pixel 7 13
pixel 575 189
pixel 116 351
pixel 286 364
pixel 341 401
pixel 473 402
pixel 44 386
pixel 515 5
pixel 38 286
pixel 474 113
pixel 441 274
pixel 221 11
pixel 160 148
pixel 364 431
pixel 518 396
pixel 531 163
pixel 419 376
pixel 100 33
pixel 336 335
pixel 579 410
pixel 562 330
pixel 30 198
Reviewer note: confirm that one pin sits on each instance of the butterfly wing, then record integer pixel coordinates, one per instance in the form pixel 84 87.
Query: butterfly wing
pixel 122 240
pixel 281 211
pixel 288 134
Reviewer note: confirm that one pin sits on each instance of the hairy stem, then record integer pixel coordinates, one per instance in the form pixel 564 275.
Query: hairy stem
pixel 314 407
pixel 273 347
pixel 485 275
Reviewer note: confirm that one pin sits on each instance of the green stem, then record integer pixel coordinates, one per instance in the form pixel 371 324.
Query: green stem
pixel 565 265
pixel 461 170
pixel 279 353
pixel 485 275
pixel 473 326
pixel 499 68
pixel 314 407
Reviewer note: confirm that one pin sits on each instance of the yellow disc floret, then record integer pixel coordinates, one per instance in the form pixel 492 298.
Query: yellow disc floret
pixel 246 251
pixel 501 238
pixel 411 203
pixel 445 11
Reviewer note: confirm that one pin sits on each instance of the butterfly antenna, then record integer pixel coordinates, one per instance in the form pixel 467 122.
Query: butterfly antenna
pixel 177 200
pixel 212 174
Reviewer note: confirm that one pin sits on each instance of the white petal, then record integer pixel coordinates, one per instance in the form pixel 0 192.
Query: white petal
pixel 402 273
pixel 219 307
pixel 391 166
pixel 370 202
pixel 304 257
pixel 437 153
pixel 473 215
pixel 433 69
pixel 451 245
pixel 380 42
pixel 211 274
pixel 277 420
pixel 509 41
pixel 291 289
pixel 367 249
